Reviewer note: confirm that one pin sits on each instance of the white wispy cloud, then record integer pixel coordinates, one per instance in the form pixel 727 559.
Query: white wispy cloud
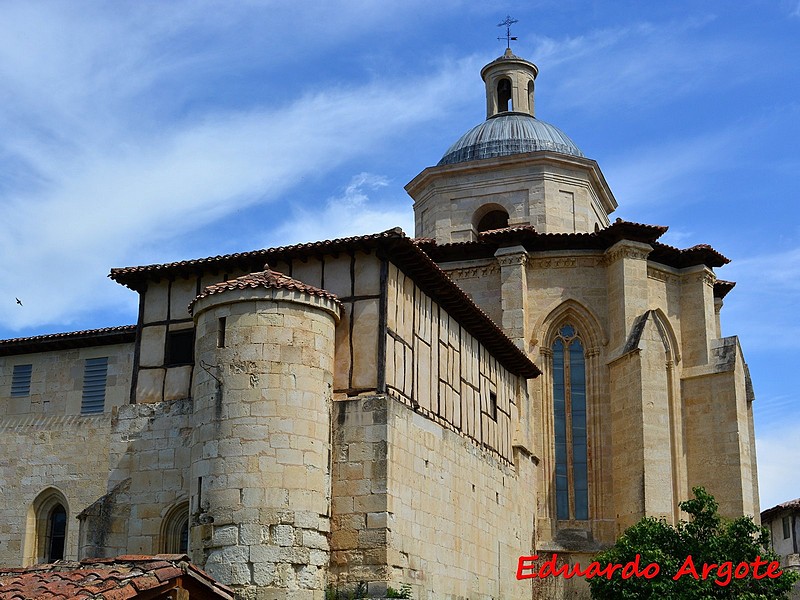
pixel 778 464
pixel 767 280
pixel 664 170
pixel 638 65
pixel 352 213
pixel 105 174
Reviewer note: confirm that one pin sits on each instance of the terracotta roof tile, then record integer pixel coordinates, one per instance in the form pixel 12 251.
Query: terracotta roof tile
pixel 72 339
pixel 408 255
pixel 790 505
pixel 525 235
pixel 110 579
pixel 263 279
pixel 130 275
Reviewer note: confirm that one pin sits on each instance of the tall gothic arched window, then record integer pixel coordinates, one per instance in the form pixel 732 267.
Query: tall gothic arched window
pixel 569 419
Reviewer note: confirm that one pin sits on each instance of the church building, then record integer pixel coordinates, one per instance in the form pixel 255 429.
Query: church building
pixel 524 376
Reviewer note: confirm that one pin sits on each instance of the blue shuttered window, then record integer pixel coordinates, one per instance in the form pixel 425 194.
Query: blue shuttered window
pixel 569 420
pixel 21 381
pixel 95 371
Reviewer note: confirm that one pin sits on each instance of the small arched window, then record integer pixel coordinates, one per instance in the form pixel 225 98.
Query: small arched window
pixel 569 419
pixel 47 528
pixel 495 219
pixel 56 534
pixel 504 102
pixel 175 530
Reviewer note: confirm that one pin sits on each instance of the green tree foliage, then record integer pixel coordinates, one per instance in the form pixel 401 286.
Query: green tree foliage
pixel 708 540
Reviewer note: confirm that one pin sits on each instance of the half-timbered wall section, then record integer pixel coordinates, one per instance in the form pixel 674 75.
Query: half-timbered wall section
pixel 440 369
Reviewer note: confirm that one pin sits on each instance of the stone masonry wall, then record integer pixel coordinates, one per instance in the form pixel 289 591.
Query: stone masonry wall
pixel 37 454
pixel 458 518
pixel 260 488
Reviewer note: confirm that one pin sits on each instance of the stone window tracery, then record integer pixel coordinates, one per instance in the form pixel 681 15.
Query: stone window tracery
pixel 569 419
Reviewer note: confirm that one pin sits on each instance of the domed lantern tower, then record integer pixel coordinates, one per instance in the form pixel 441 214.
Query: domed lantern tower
pixel 513 169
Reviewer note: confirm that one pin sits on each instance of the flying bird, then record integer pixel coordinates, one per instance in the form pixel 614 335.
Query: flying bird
pixel 18 301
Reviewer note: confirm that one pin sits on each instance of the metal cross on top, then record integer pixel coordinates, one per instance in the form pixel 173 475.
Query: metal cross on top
pixel 507 24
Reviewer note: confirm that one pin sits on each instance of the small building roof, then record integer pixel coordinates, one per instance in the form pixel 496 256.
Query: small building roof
pixel 106 336
pixel 264 279
pixel 129 576
pixel 766 515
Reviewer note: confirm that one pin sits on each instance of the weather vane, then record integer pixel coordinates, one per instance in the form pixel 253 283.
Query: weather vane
pixel 507 24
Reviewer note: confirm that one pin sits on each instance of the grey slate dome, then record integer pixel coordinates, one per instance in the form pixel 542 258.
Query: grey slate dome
pixel 509 133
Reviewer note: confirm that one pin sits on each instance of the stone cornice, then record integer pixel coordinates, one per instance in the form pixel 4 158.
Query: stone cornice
pixel 512 256
pixel 627 249
pixel 475 272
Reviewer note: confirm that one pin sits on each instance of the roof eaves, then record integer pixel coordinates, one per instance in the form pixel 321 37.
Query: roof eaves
pixel 105 336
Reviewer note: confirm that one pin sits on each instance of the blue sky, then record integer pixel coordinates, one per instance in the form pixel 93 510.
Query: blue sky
pixel 143 132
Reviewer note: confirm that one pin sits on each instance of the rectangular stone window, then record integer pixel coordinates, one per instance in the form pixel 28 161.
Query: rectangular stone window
pixel 21 381
pixel 95 372
pixel 787 531
pixel 180 348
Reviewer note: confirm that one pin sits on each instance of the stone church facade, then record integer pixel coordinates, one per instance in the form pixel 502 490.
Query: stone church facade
pixel 524 376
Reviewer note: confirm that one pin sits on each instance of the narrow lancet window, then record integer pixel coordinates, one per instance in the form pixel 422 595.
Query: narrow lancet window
pixel 569 408
pixel 504 103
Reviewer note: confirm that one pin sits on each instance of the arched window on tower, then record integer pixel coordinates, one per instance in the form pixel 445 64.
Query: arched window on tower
pixel 569 419
pixel 494 219
pixel 504 102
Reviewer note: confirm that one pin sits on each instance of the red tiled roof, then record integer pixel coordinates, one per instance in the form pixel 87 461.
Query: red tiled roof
pixel 266 279
pixel 73 339
pixel 249 261
pixel 394 244
pixel 790 505
pixel 533 241
pixel 722 287
pixel 109 579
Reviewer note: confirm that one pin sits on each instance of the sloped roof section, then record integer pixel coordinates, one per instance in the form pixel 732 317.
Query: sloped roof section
pixel 74 339
pixel 264 279
pixel 111 579
pixel 394 245
pixel 791 505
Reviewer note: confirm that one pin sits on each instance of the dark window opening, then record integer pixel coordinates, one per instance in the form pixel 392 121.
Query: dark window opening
pixel 786 528
pixel 493 405
pixel 183 542
pixel 56 533
pixel 180 348
pixel 530 97
pixel 496 219
pixel 504 103
pixel 221 332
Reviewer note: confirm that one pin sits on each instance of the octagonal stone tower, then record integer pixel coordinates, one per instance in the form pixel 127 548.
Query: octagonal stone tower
pixel 260 472
pixel 513 169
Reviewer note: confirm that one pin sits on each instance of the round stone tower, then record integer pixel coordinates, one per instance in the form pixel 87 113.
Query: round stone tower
pixel 260 473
